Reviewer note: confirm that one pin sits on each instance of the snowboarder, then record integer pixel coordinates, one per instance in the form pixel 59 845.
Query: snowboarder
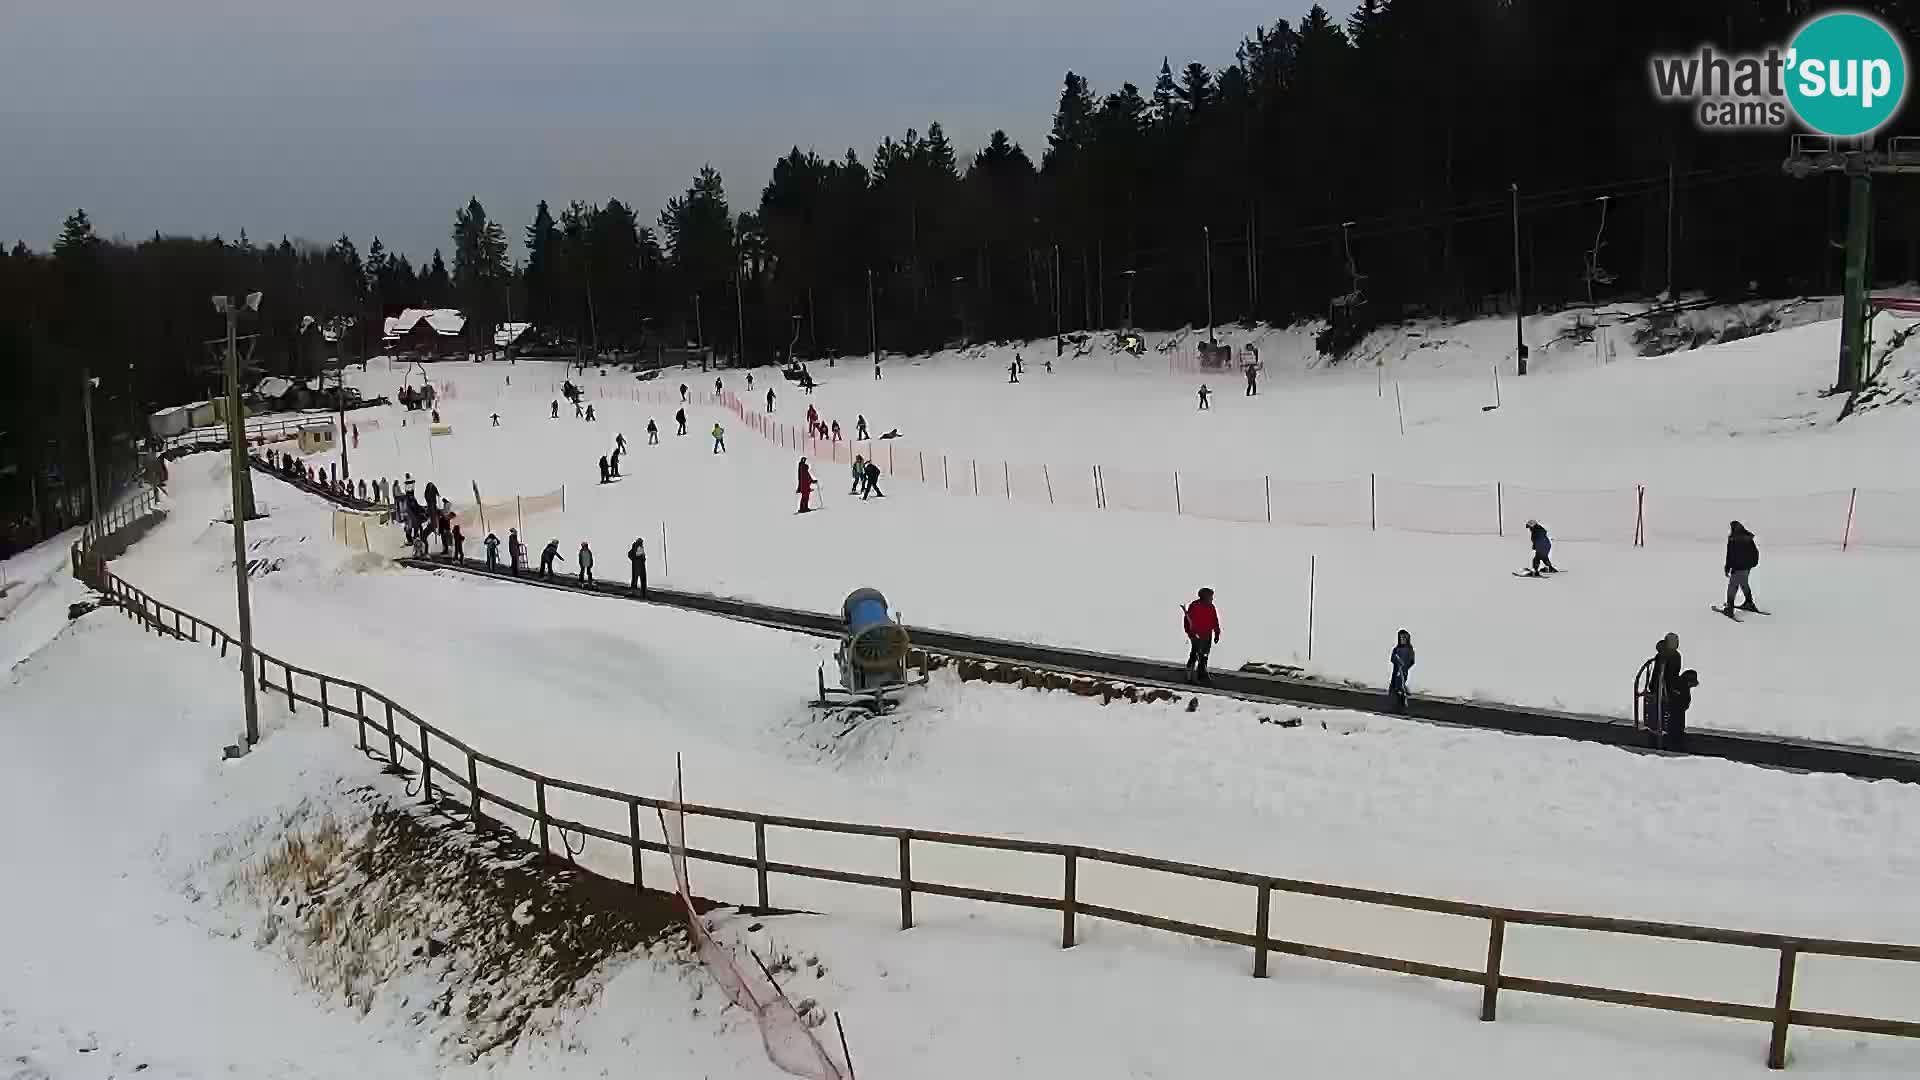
pixel 769 400
pixel 637 563
pixel 492 544
pixel 860 429
pixel 683 390
pixel 1202 625
pixel 603 468
pixel 682 417
pixel 719 438
pixel 586 564
pixel 548 556
pixel 1679 700
pixel 1402 659
pixel 555 414
pixel 496 418
pixel 806 487
pixel 1204 394
pixel 859 474
pixel 589 414
pixel 653 433
pixel 1013 371
pixel 873 482
pixel 1542 548
pixel 1742 556
pixel 516 551
pixel 1253 380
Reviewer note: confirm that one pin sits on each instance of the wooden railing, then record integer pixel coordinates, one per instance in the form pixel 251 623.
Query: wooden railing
pixel 448 769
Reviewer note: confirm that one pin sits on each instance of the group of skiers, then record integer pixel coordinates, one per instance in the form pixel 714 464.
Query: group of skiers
pixel 866 482
pixel 830 430
pixel 549 555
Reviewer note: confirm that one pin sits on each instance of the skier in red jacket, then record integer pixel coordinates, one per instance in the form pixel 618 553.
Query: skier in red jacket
pixel 806 486
pixel 1202 624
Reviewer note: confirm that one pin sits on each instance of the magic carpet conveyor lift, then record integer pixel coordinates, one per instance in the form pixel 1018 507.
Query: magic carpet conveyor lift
pixel 872 656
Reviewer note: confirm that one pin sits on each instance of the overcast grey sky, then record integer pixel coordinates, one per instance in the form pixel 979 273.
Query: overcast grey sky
pixel 381 116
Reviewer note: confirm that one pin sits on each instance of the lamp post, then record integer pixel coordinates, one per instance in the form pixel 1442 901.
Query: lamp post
pixel 231 306
pixel 1206 237
pixel 1519 309
pixel 87 385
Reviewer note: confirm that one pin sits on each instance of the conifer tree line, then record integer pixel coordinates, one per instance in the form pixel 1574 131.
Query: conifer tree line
pixel 1366 166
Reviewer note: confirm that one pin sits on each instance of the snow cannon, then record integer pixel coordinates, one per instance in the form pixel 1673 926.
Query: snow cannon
pixel 872 655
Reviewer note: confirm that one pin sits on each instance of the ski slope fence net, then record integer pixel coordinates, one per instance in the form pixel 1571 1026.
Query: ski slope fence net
pixel 601 829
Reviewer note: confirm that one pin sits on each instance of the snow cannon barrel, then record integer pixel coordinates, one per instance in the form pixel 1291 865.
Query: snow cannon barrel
pixel 873 640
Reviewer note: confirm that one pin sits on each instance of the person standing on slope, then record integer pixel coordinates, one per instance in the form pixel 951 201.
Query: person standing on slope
pixel 1743 554
pixel 516 551
pixel 1204 394
pixel 719 438
pixel 860 428
pixel 1202 624
pixel 1402 660
pixel 769 400
pixel 683 390
pixel 637 563
pixel 603 468
pixel 813 418
pixel 716 390
pixel 1663 675
pixel 653 433
pixel 1542 548
pixel 872 487
pixel 1013 371
pixel 492 544
pixel 681 416
pixel 859 474
pixel 806 487
pixel 586 564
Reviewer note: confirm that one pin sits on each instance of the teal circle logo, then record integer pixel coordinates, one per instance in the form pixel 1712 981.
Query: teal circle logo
pixel 1847 74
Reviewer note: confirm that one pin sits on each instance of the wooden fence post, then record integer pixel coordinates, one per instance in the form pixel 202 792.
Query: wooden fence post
pixel 473 787
pixel 360 715
pixel 426 765
pixel 1496 943
pixel 287 670
pixel 1262 911
pixel 1067 898
pixel 1500 507
pixel 760 859
pixel 1782 1007
pixel 1268 487
pixel 633 842
pixel 906 882
pixel 393 738
pixel 325 711
pixel 540 811
pixel 1373 502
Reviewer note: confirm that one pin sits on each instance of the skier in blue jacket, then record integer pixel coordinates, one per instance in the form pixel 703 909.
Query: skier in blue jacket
pixel 1402 658
pixel 1542 547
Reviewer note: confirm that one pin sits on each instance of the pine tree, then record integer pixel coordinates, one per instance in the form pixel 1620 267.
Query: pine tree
pixel 436 285
pixel 76 236
pixel 541 273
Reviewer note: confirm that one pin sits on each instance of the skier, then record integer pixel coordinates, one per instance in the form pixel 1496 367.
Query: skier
pixel 1049 367
pixel 1679 700
pixel 620 443
pixel 613 464
pixel 859 474
pixel 409 483
pixel 496 418
pixel 548 555
pixel 860 428
pixel 1742 556
pixel 683 390
pixel 586 564
pixel 813 417
pixel 516 551
pixel 1202 625
pixel 589 414
pixel 750 385
pixel 719 438
pixel 873 482
pixel 682 417
pixel 1253 380
pixel 492 544
pixel 555 414
pixel 459 544
pixel 433 495
pixel 1013 371
pixel 716 390
pixel 603 468
pixel 1204 394
pixel 769 399
pixel 360 490
pixel 653 433
pixel 1663 677
pixel 806 487
pixel 1402 659
pixel 446 534
pixel 836 431
pixel 578 412
pixel 876 369
pixel 1542 547
pixel 637 563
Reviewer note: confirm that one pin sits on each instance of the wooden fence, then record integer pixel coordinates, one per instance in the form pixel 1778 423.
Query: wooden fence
pixel 449 772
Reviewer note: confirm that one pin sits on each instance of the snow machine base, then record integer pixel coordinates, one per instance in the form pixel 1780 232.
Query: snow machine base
pixel 876 699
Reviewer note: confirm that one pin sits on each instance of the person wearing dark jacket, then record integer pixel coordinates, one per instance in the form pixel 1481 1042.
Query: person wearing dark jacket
pixel 1663 675
pixel 653 433
pixel 681 416
pixel 1742 556
pixel 1542 548
pixel 1202 625
pixel 873 482
pixel 1679 700
pixel 492 544
pixel 603 468
pixel 637 562
pixel 806 487
pixel 1402 660
pixel 547 556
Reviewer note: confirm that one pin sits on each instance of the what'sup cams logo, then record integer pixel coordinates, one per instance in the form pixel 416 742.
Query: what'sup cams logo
pixel 1843 74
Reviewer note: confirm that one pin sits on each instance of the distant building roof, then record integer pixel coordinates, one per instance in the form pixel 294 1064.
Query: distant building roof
pixel 508 333
pixel 446 322
pixel 273 387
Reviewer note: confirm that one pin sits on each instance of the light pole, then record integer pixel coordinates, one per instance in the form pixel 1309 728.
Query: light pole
pixel 340 388
pixel 87 385
pixel 231 306
pixel 1206 238
pixel 1519 309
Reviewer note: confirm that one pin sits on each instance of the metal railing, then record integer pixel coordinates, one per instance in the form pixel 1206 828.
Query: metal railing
pixel 448 769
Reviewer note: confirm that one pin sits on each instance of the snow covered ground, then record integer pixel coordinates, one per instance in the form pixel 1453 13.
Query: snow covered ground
pixel 1743 417
pixel 607 692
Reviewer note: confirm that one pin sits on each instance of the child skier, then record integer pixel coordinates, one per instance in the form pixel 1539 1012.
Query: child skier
pixel 1204 394
pixel 719 438
pixel 586 564
pixel 1402 659
pixel 1542 548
